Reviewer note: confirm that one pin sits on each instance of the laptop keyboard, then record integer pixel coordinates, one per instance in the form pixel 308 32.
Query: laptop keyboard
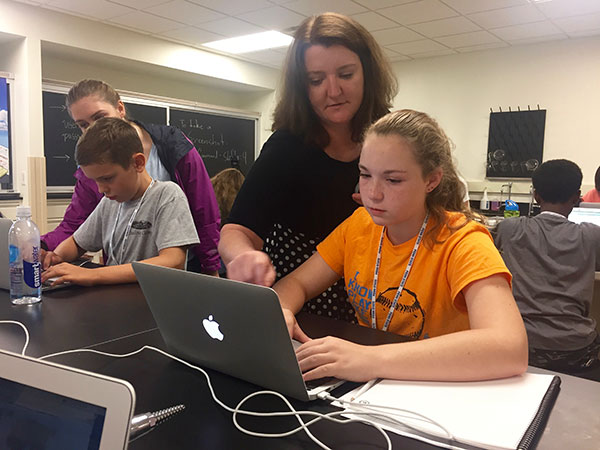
pixel 312 384
pixel 319 382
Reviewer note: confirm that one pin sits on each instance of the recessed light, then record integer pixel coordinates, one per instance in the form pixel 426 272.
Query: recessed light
pixel 251 42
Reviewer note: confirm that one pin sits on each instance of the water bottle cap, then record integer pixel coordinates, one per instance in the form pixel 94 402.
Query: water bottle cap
pixel 23 211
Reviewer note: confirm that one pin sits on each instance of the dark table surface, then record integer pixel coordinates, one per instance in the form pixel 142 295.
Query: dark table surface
pixel 117 319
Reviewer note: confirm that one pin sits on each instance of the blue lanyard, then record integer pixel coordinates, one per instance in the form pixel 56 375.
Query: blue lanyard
pixel 411 260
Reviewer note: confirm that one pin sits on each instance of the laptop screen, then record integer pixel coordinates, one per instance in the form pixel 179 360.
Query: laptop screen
pixel 33 418
pixel 591 215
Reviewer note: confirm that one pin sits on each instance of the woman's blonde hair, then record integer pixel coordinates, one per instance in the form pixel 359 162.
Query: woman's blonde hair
pixel 226 185
pixel 432 150
pixel 294 111
pixel 87 88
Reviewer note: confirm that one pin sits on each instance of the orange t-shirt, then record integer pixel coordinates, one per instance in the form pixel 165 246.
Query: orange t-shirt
pixel 432 302
pixel 592 196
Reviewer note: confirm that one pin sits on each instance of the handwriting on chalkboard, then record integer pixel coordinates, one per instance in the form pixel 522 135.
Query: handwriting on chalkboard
pixel 211 141
pixel 69 124
pixel 227 155
pixel 222 141
pixel 70 137
pixel 194 123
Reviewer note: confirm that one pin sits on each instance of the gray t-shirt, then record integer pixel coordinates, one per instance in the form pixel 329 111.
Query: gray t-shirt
pixel 552 261
pixel 163 220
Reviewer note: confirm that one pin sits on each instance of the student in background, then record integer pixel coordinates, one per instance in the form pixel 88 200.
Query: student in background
pixel 226 185
pixel 138 219
pixel 170 156
pixel 553 262
pixel 336 81
pixel 593 195
pixel 433 274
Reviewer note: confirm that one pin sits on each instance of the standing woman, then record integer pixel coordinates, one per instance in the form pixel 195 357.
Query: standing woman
pixel 171 156
pixel 336 83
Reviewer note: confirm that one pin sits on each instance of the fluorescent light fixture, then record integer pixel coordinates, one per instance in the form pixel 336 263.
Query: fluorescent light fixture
pixel 251 42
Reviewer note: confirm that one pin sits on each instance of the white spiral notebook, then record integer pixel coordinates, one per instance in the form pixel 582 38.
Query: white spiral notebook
pixel 499 414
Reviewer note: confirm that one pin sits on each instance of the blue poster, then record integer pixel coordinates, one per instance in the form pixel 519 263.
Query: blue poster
pixel 4 164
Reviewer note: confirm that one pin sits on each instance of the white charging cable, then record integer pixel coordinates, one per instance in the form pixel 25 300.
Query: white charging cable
pixel 14 322
pixel 356 409
pixel 388 413
pixel 235 411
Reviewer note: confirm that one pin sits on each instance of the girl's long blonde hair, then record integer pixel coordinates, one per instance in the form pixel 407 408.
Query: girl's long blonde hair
pixel 432 150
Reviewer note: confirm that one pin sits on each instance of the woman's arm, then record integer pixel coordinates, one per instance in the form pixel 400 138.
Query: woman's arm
pixel 240 249
pixel 85 198
pixel 494 347
pixel 123 273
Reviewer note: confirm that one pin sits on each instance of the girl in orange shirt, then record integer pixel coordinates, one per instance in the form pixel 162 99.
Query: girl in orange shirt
pixel 413 251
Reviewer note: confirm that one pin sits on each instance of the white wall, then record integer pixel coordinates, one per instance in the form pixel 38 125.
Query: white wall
pixel 563 77
pixel 66 30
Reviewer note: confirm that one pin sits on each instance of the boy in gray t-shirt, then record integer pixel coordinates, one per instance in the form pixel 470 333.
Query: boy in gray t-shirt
pixel 553 262
pixel 139 219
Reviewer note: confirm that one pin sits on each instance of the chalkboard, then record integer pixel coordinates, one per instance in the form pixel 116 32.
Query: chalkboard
pixel 222 141
pixel 515 143
pixel 146 113
pixel 61 135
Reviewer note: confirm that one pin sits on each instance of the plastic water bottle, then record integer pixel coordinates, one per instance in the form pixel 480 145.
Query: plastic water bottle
pixel 511 209
pixel 24 259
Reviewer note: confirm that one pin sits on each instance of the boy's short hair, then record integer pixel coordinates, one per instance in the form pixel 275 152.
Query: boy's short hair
pixel 557 180
pixel 109 140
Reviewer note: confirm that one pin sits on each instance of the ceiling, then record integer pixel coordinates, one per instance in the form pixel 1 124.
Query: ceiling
pixel 407 29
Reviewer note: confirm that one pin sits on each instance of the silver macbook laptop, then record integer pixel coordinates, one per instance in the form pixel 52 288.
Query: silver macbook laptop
pixel 48 406
pixel 591 215
pixel 5 225
pixel 233 327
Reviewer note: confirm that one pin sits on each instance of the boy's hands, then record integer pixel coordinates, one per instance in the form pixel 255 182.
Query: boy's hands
pixel 68 273
pixel 49 258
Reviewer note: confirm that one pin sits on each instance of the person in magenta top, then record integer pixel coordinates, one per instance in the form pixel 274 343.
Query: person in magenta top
pixel 171 157
pixel 593 195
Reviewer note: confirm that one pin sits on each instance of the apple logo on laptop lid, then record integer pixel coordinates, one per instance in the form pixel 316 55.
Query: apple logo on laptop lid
pixel 212 328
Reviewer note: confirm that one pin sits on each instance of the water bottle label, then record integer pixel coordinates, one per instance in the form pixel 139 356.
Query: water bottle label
pixel 13 253
pixel 32 270
pixel 31 274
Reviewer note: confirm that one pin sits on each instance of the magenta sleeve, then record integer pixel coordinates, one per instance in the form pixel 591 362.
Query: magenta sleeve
pixel 84 200
pixel 193 178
